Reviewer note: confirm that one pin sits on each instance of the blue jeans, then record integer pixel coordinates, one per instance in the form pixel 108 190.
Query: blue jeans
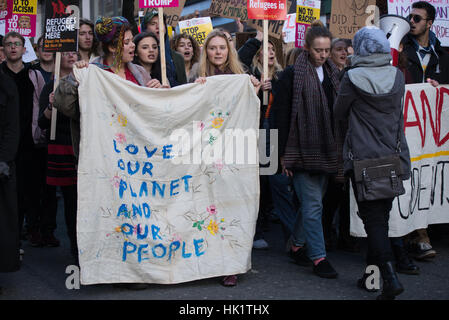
pixel 308 229
pixel 284 202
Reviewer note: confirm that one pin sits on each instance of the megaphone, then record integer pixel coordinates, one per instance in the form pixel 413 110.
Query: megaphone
pixel 395 27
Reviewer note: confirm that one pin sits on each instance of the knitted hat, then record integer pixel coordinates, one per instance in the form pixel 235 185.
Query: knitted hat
pixel 106 30
pixel 147 18
pixel 370 40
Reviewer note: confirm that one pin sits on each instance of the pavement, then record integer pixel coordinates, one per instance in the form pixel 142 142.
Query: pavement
pixel 273 277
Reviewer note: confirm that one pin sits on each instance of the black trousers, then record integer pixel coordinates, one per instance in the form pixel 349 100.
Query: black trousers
pixel 9 229
pixel 375 215
pixel 41 216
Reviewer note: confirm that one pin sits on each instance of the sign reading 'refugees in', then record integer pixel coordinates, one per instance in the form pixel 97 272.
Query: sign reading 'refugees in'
pixel 61 25
pixel 237 9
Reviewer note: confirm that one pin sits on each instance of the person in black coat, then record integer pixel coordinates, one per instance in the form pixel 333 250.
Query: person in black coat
pixel 9 142
pixel 427 61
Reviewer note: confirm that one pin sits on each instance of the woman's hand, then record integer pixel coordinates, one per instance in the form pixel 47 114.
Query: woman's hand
pixel 433 82
pixel 51 98
pixel 256 83
pixel 201 80
pixel 285 171
pixel 266 85
pixel 154 83
pixel 81 64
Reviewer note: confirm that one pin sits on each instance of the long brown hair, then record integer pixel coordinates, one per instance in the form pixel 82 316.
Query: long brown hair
pixel 206 69
pixel 256 64
pixel 196 48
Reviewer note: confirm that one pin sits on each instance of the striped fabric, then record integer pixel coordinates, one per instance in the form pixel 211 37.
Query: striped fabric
pixel 311 145
pixel 61 170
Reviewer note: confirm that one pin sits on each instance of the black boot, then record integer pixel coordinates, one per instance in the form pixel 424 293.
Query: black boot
pixel 391 285
pixel 403 263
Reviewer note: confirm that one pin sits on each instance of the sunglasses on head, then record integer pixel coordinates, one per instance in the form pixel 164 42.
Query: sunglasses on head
pixel 415 17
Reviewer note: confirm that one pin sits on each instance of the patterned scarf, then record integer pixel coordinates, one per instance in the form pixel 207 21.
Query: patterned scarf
pixel 314 143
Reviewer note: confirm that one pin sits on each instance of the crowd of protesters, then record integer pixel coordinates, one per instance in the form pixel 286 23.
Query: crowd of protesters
pixel 328 93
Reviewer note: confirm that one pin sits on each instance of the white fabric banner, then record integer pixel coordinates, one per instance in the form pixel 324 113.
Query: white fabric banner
pixel 426 201
pixel 441 25
pixel 142 215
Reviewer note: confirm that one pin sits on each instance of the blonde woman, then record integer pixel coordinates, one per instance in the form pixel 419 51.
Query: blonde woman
pixel 218 57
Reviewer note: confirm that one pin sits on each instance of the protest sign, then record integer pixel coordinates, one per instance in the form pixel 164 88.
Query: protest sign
pixel 172 14
pixel 160 199
pixel 289 28
pixel 307 11
pixel 61 25
pixel 274 26
pixel 23 17
pixel 441 24
pixel 5 9
pixel 426 201
pixel 229 9
pixel 267 9
pixel 198 28
pixel 158 3
pixel 349 16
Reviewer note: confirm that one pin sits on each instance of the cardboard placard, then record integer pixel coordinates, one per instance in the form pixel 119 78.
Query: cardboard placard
pixel 307 11
pixel 289 28
pixel 229 9
pixel 198 28
pixel 158 3
pixel 275 27
pixel 349 16
pixel 172 14
pixel 61 25
pixel 267 9
pixel 23 17
pixel 5 9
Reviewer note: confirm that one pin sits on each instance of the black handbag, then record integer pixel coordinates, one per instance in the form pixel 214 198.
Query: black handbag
pixel 379 178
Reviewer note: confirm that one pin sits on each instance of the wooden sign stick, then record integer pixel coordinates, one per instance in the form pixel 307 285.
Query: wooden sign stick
pixel 54 112
pixel 162 46
pixel 265 59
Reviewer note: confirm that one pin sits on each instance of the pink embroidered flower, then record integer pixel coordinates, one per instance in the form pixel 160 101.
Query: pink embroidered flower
pixel 219 165
pixel 201 125
pixel 116 181
pixel 120 137
pixel 212 210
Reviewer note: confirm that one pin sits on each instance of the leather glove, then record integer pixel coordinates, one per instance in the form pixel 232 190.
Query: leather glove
pixel 4 170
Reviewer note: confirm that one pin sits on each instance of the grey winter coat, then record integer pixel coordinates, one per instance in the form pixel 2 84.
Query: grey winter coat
pixel 371 99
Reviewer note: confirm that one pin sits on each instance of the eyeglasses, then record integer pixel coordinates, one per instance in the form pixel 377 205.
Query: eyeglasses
pixel 15 44
pixel 415 17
